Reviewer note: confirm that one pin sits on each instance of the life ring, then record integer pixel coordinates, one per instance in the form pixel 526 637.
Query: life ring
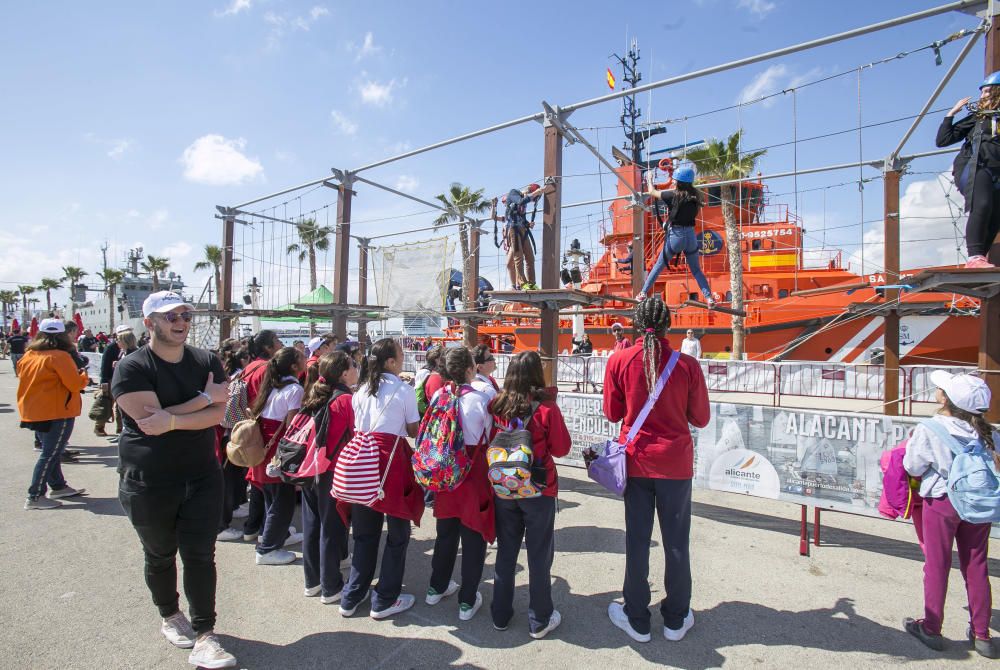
pixel 667 165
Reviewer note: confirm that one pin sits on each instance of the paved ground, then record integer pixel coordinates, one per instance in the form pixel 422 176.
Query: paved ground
pixel 73 594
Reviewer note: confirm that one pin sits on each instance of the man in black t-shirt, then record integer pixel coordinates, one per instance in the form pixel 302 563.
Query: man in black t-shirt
pixel 16 341
pixel 172 396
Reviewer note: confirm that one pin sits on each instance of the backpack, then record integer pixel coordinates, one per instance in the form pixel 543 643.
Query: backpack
pixel 973 479
pixel 440 459
pixel 236 404
pixel 511 462
pixel 899 488
pixel 246 444
pixel 301 453
pixel 422 395
pixel 357 476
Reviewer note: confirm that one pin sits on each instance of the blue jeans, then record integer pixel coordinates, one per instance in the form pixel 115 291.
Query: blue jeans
pixel 48 468
pixel 680 239
pixel 14 358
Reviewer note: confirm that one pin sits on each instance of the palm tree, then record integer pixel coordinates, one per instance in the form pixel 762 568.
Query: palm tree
pixel 461 201
pixel 311 237
pixel 155 266
pixel 213 260
pixel 25 290
pixel 723 160
pixel 73 275
pixel 48 285
pixel 8 302
pixel 111 280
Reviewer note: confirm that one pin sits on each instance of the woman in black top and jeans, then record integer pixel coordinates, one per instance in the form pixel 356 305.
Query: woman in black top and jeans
pixel 977 178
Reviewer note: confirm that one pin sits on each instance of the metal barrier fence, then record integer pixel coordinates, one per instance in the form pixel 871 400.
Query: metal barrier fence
pixel 843 381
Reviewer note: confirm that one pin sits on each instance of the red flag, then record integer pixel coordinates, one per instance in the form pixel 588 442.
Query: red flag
pixel 79 322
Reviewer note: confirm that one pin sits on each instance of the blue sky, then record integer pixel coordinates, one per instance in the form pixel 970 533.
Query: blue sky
pixel 131 121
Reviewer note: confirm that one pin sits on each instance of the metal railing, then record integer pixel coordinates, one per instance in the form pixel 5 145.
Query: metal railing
pixel 791 379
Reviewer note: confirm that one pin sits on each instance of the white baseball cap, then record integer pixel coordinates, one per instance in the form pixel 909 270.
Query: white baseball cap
pixel 966 392
pixel 314 344
pixel 123 328
pixel 163 301
pixel 618 326
pixel 52 326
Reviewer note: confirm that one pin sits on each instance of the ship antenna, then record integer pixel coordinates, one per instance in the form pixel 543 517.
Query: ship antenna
pixel 634 139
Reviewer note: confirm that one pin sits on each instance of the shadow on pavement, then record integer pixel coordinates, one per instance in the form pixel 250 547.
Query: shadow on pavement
pixel 345 649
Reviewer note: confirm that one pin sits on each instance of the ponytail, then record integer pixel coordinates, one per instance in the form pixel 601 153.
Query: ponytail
pixel 373 364
pixel 651 320
pixel 258 345
pixel 278 367
pixel 323 379
pixel 982 427
pixel 455 363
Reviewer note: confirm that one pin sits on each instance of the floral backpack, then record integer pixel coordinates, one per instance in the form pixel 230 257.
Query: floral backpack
pixel 440 459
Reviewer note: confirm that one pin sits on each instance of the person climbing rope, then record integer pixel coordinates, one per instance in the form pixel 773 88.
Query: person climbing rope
pixel 517 238
pixel 979 179
pixel 683 203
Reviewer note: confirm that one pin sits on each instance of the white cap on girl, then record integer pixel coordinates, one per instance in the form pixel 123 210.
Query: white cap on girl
pixel 965 391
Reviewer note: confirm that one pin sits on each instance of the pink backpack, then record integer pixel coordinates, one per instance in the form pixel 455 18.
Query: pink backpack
pixel 899 490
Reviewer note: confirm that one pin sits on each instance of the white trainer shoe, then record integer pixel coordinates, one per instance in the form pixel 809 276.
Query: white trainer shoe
pixel 65 492
pixel 678 635
pixel 403 602
pixel 466 612
pixel 331 600
pixel 433 597
pixel 554 622
pixel 616 612
pixel 276 557
pixel 229 535
pixel 312 591
pixel 178 631
pixel 208 653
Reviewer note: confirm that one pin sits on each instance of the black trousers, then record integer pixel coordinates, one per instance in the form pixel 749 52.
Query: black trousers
pixel 449 533
pixel 366 527
pixel 671 500
pixel 234 492
pixel 984 217
pixel 323 537
pixel 255 514
pixel 178 518
pixel 533 521
pixel 279 508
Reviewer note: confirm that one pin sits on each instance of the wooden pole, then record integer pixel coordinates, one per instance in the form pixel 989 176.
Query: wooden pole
pixel 226 290
pixel 551 232
pixel 342 256
pixel 989 308
pixel 363 291
pixel 471 329
pixel 891 255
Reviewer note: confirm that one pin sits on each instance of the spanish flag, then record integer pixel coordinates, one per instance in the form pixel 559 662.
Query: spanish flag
pixel 611 80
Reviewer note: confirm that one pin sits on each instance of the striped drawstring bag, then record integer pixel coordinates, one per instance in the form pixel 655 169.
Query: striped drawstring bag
pixel 357 477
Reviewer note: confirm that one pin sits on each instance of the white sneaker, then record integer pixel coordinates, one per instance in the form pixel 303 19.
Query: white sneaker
pixel 616 612
pixel 65 492
pixel 350 612
pixel 41 502
pixel 242 512
pixel 331 600
pixel 178 631
pixel 678 635
pixel 294 538
pixel 403 602
pixel 208 653
pixel 250 537
pixel 433 597
pixel 276 557
pixel 229 535
pixel 312 591
pixel 554 622
pixel 465 612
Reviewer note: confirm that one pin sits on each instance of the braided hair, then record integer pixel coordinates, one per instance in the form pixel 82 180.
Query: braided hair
pixel 651 321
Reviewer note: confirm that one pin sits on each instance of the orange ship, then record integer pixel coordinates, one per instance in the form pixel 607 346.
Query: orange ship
pixel 841 321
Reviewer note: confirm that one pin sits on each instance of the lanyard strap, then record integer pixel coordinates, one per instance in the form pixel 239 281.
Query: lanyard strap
pixel 668 369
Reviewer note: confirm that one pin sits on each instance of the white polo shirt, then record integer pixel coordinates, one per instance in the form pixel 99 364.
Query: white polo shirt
pixel 389 410
pixel 476 419
pixel 483 384
pixel 283 400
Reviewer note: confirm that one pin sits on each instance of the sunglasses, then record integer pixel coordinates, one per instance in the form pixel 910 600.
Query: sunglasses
pixel 174 317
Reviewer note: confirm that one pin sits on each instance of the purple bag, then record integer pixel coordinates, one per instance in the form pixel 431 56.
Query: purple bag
pixel 608 469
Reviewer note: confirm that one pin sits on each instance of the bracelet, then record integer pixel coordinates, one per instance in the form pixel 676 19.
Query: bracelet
pixel 173 422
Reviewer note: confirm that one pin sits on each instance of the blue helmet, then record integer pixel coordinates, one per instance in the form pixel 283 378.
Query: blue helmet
pixel 684 174
pixel 992 80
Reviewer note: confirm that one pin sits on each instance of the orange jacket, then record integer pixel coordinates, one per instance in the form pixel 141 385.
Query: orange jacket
pixel 49 386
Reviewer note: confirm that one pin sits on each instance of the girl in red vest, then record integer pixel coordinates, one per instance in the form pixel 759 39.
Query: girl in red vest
pixel 660 466
pixel 324 535
pixel 525 397
pixel 260 348
pixel 278 400
pixel 386 407
pixel 466 513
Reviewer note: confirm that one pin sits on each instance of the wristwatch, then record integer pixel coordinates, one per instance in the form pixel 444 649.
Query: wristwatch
pixel 205 396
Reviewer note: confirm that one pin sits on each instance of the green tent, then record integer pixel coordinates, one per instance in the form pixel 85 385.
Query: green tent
pixel 320 296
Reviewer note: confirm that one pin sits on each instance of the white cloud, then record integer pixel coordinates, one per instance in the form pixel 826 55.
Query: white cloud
pixel 177 252
pixel 282 24
pixel 374 93
pixel 343 124
pixel 936 203
pixel 759 8
pixel 212 159
pixel 765 83
pixel 407 183
pixel 118 148
pixel 157 219
pixel 234 8
pixel 318 11
pixel 367 47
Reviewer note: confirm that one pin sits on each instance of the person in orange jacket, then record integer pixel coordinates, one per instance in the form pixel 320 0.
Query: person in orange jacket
pixel 48 400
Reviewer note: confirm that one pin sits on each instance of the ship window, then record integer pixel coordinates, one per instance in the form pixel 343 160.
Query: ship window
pixel 783 293
pixel 714 195
pixel 729 296
pixel 828 350
pixel 692 296
pixel 756 244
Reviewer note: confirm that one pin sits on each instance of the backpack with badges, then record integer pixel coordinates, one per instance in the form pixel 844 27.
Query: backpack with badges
pixel 511 462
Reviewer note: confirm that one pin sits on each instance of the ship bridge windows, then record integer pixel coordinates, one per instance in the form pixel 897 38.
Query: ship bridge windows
pixel 756 245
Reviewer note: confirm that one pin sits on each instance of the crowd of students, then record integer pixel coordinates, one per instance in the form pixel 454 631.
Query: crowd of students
pixel 182 494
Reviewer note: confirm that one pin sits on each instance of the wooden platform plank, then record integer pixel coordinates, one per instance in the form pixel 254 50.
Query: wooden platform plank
pixel 716 308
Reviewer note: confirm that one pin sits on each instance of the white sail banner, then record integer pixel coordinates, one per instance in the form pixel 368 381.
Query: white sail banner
pixel 412 278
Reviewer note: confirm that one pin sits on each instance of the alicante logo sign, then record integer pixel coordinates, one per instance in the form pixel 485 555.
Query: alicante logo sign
pixel 744 471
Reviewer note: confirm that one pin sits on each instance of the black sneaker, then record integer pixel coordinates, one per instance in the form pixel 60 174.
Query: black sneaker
pixel 67 458
pixel 916 629
pixel 984 648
